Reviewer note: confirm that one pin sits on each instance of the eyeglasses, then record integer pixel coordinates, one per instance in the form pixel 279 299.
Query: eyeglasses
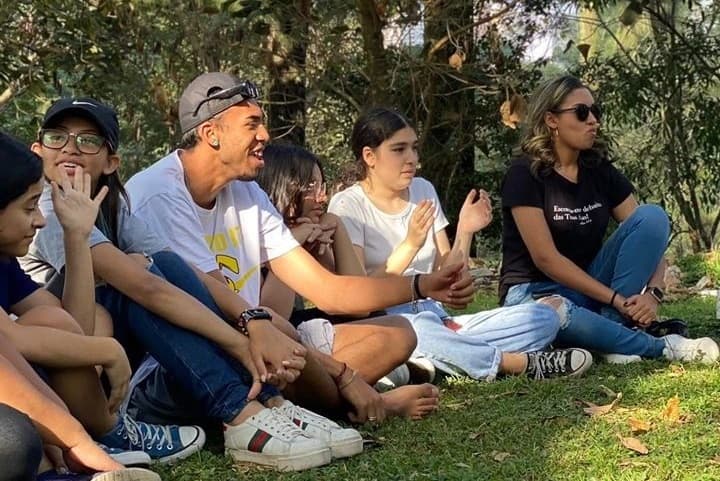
pixel 246 89
pixel 85 142
pixel 315 190
pixel 582 111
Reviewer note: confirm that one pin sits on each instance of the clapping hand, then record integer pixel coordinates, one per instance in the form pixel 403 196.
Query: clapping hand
pixel 74 206
pixel 421 221
pixel 475 213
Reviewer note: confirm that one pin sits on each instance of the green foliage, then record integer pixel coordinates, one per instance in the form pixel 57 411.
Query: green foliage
pixel 696 266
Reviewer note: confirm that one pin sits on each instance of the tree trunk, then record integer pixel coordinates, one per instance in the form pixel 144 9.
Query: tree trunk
pixel 286 56
pixel 447 140
pixel 371 27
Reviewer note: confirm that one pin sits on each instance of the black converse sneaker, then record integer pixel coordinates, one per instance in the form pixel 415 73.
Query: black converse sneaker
pixel 560 363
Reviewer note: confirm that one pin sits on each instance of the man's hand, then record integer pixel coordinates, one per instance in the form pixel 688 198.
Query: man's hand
pixel 118 373
pixel 421 221
pixel 74 206
pixel 475 213
pixel 642 308
pixel 366 401
pixel 451 285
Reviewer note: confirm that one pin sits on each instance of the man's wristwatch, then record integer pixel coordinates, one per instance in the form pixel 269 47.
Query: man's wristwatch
pixel 251 315
pixel 656 292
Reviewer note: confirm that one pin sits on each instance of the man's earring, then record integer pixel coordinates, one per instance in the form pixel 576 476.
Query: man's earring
pixel 214 142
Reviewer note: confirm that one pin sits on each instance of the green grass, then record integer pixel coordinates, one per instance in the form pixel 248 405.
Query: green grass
pixel 540 425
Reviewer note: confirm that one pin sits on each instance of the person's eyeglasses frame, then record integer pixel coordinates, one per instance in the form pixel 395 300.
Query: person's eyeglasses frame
pixel 582 111
pixel 314 190
pixel 80 146
pixel 247 90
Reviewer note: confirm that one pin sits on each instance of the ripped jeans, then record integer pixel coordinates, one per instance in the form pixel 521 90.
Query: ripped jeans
pixel 625 263
pixel 473 344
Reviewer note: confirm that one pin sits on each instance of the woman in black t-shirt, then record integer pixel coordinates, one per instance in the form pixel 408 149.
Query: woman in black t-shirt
pixel 558 196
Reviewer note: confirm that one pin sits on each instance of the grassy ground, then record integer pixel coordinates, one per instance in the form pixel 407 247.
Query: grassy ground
pixel 516 429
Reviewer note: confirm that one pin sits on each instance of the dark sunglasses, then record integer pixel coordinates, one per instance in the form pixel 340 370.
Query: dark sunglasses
pixel 246 89
pixel 86 143
pixel 582 111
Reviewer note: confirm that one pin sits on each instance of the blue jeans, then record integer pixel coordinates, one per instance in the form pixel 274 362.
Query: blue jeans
pixel 475 349
pixel 196 377
pixel 625 263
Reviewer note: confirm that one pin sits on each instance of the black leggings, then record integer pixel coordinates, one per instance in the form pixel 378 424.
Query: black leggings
pixel 20 446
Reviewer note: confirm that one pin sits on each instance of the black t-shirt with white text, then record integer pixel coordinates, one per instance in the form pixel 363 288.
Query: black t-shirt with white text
pixel 577 215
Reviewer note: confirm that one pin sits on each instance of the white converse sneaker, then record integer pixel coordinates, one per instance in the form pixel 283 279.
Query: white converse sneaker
pixel 614 358
pixel 127 474
pixel 343 442
pixel 678 348
pixel 271 439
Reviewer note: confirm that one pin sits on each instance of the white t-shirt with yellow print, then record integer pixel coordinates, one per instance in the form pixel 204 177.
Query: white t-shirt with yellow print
pixel 241 232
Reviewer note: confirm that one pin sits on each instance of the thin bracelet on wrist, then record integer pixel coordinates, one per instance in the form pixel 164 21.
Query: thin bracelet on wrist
pixel 350 381
pixel 612 299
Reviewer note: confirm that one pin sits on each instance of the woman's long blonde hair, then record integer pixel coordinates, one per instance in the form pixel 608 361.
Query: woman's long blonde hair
pixel 537 139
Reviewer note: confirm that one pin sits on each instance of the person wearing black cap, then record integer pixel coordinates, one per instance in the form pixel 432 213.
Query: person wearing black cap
pixel 201 199
pixel 204 368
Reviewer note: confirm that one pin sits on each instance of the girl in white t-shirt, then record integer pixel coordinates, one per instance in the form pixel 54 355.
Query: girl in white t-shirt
pixel 295 183
pixel 397 226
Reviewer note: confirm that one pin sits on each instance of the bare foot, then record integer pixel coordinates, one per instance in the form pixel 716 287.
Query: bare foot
pixel 412 401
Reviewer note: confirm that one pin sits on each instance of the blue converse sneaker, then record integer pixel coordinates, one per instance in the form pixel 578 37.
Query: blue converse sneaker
pixel 127 458
pixel 163 444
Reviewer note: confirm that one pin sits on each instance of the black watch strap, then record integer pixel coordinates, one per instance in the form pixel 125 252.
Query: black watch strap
pixel 657 293
pixel 249 315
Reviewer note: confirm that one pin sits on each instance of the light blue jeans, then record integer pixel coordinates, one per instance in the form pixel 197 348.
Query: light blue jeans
pixel 625 263
pixel 475 349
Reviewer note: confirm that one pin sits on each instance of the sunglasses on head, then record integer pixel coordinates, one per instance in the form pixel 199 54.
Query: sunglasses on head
pixel 246 89
pixel 582 111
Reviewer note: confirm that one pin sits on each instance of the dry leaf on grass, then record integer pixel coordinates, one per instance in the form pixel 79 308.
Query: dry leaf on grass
pixel 638 426
pixel 500 456
pixel 715 460
pixel 634 444
pixel 458 405
pixel 676 370
pixel 671 413
pixel 475 435
pixel 595 410
pixel 610 393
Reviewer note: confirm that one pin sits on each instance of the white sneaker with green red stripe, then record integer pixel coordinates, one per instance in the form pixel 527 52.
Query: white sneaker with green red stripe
pixel 271 439
pixel 343 442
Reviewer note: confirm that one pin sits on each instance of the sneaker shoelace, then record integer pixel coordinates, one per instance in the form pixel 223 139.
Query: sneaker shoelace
pixel 279 423
pixel 146 436
pixel 549 363
pixel 294 411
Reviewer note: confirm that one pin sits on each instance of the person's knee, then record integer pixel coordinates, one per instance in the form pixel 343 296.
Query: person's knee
pixel 51 316
pixel 560 306
pixel 402 335
pixel 655 218
pixel 20 446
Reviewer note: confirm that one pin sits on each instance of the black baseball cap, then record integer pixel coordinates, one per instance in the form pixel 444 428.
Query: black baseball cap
pixel 211 93
pixel 100 114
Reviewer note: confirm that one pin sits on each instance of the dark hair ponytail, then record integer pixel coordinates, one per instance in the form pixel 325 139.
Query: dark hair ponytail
pixel 109 215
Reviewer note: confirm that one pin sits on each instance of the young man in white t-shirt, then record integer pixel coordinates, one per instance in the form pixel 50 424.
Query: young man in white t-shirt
pixel 201 198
